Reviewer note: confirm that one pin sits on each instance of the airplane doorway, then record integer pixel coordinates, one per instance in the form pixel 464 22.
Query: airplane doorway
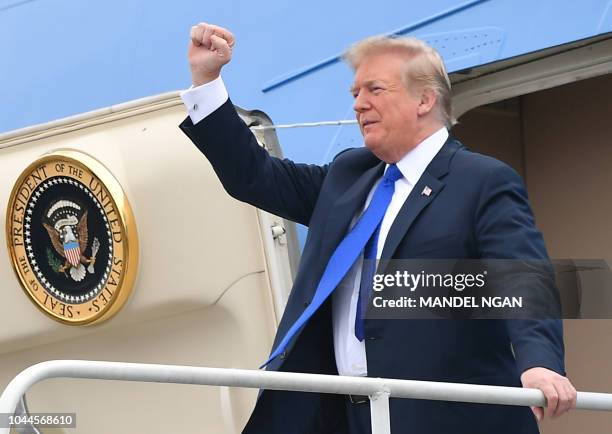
pixel 560 141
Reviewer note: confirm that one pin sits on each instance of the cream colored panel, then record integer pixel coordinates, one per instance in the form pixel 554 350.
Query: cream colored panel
pixel 236 332
pixel 195 241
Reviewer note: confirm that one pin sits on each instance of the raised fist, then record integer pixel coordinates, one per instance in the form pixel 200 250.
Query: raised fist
pixel 209 49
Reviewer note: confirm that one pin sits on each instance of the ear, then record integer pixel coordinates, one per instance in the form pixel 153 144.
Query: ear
pixel 427 102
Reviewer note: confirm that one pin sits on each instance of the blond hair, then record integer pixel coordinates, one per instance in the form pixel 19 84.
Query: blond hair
pixel 424 67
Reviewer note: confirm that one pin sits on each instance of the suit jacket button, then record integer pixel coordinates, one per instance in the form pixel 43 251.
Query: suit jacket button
pixel 283 355
pixel 306 303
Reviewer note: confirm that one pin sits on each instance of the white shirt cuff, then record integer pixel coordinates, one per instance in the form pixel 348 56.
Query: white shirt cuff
pixel 201 101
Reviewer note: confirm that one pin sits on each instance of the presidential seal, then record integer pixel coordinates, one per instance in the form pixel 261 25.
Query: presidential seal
pixel 72 238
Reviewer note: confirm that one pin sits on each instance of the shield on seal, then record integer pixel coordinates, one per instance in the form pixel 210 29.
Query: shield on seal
pixel 72 252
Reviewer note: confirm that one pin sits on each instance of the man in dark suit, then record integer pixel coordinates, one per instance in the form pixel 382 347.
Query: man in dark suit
pixel 412 192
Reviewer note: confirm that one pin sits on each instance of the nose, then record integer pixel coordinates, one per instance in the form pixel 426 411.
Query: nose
pixel 361 103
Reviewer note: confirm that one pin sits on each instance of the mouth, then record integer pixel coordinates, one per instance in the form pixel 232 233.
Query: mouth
pixel 368 123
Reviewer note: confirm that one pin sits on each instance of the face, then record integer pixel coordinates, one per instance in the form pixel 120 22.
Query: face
pixel 389 116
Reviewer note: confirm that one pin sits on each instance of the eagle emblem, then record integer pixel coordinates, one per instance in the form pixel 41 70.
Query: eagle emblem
pixel 69 237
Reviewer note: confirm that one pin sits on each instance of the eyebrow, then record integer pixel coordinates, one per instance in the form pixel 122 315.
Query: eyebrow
pixel 366 83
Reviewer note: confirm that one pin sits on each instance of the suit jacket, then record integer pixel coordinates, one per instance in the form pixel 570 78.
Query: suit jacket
pixel 478 208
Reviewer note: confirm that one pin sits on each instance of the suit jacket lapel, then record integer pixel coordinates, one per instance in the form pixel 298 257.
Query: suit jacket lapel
pixel 345 207
pixel 416 202
pixel 418 199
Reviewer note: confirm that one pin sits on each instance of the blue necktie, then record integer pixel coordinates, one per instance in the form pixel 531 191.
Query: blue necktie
pixel 346 253
pixel 367 277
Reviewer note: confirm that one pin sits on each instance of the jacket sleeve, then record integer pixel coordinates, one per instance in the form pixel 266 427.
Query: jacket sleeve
pixel 505 230
pixel 248 173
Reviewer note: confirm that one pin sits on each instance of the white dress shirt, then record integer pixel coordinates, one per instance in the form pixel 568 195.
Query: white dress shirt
pixel 350 353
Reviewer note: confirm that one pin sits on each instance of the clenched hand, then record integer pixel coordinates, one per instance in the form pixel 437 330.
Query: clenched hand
pixel 210 48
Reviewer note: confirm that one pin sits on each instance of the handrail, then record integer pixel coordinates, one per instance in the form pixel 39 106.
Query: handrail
pixel 378 389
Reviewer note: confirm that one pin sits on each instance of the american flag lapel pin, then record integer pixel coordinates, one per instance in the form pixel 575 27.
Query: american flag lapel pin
pixel 426 191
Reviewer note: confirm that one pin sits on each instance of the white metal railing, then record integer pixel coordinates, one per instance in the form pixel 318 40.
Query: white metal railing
pixel 378 389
